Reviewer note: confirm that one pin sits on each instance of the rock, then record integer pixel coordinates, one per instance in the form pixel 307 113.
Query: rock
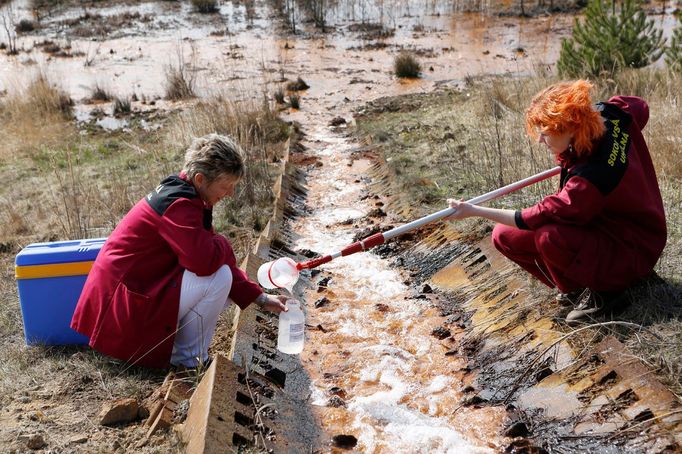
pixel 337 391
pixel 344 441
pixel 324 282
pixel 77 439
pixel 427 289
pixel 517 429
pixel 119 411
pixel 307 253
pixel 336 402
pixel 441 333
pixel 322 302
pixel 36 441
pixel 337 121
pixel 376 213
pixel 472 401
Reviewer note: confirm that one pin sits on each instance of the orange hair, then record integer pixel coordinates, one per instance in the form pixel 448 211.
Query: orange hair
pixel 566 107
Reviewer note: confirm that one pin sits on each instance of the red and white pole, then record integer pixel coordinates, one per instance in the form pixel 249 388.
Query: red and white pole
pixel 382 237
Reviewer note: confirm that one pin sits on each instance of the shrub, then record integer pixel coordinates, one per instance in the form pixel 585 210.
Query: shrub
pixel 179 83
pixel 100 94
pixel 295 101
pixel 25 26
pixel 205 6
pixel 297 85
pixel 405 65
pixel 121 106
pixel 608 41
pixel 673 54
pixel 279 96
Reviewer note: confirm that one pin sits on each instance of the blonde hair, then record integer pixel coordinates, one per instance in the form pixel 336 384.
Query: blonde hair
pixel 214 155
pixel 566 107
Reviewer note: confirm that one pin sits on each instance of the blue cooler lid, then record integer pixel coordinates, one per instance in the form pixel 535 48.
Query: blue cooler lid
pixel 60 252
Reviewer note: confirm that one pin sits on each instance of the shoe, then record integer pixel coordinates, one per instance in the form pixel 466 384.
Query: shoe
pixel 569 299
pixel 594 304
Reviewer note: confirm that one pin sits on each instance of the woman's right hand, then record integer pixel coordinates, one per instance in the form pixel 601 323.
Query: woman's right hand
pixel 462 209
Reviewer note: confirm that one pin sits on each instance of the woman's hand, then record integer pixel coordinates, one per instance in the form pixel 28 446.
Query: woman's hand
pixel 463 209
pixel 272 303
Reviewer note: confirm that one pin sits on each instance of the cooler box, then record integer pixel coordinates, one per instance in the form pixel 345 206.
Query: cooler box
pixel 50 277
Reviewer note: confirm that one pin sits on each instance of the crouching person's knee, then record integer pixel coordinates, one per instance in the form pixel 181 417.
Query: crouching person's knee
pixel 222 281
pixel 503 237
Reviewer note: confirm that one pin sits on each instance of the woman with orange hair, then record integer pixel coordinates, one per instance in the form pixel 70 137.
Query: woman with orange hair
pixel 605 227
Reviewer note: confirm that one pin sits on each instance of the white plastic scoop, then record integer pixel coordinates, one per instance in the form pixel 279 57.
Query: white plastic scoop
pixel 280 273
pixel 284 272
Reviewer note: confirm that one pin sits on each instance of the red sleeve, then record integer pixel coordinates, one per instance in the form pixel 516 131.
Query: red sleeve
pixel 202 251
pixel 243 291
pixel 577 203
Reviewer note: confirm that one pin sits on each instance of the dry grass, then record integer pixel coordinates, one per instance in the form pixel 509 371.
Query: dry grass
pixel 34 116
pixel 180 80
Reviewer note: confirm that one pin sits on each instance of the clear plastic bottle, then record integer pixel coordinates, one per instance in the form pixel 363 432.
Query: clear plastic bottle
pixel 291 329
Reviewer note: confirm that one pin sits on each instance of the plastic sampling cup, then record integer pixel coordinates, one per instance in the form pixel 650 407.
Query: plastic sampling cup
pixel 280 273
pixel 291 330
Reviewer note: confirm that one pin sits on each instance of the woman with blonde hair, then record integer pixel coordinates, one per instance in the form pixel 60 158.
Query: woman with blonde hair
pixel 605 227
pixel 164 275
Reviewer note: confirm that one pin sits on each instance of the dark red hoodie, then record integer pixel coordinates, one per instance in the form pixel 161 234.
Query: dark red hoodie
pixel 129 304
pixel 615 192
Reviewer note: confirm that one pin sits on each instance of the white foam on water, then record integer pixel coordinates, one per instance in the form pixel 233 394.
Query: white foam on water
pixel 438 384
pixel 402 429
pixel 317 396
pixel 333 215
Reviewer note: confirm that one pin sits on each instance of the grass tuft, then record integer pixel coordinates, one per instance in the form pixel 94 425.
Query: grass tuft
pixel 99 94
pixel 205 6
pixel 121 106
pixel 406 65
pixel 180 82
pixel 35 115
pixel 297 85
pixel 279 96
pixel 295 101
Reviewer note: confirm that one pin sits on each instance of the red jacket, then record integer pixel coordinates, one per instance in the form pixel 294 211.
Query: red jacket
pixel 613 193
pixel 129 304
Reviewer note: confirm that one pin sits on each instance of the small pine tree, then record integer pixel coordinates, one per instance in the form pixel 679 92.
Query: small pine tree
pixel 673 54
pixel 607 41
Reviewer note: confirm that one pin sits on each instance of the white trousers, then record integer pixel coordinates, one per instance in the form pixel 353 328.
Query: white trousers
pixel 202 299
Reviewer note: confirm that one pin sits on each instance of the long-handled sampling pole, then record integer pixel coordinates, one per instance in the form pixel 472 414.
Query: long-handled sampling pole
pixel 382 237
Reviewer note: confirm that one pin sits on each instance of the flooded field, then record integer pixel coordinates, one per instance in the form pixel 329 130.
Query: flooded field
pixel 247 53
